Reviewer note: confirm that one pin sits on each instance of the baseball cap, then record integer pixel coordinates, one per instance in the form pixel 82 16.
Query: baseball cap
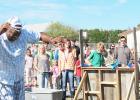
pixel 15 22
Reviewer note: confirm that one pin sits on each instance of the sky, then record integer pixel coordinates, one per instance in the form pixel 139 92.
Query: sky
pixel 80 14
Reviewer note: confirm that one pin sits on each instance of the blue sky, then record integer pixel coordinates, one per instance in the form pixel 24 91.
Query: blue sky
pixel 105 14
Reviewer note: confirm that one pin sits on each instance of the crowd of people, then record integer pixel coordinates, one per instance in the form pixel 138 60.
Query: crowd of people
pixel 61 64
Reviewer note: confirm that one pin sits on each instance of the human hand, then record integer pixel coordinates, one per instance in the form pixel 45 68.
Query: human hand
pixel 4 27
pixel 57 40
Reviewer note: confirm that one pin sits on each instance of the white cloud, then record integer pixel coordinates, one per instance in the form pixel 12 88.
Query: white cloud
pixel 38 27
pixel 122 1
pixel 43 15
pixel 30 9
pixel 54 6
pixel 96 10
pixel 44 5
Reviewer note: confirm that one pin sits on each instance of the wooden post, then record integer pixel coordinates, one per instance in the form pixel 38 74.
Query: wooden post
pixel 130 88
pixel 136 67
pixel 100 97
pixel 118 85
pixel 80 85
pixel 81 46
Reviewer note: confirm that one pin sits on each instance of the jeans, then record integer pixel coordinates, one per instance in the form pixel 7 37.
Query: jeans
pixel 46 79
pixel 12 92
pixel 67 76
pixel 78 79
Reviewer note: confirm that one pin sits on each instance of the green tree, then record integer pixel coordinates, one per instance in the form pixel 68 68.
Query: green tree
pixel 58 29
pixel 106 36
pixel 138 25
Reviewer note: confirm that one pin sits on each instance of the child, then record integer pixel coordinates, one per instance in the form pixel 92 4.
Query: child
pixel 77 71
pixel 28 66
pixel 34 82
pixel 55 76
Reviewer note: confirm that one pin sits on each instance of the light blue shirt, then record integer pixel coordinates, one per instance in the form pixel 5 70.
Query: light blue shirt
pixel 12 55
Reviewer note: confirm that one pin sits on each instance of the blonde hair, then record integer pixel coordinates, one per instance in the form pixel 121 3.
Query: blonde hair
pixel 99 45
pixel 40 47
pixel 55 62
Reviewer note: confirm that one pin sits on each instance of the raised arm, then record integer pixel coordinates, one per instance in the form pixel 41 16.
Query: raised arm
pixel 4 27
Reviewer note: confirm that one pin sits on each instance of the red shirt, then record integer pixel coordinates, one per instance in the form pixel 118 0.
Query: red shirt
pixel 78 68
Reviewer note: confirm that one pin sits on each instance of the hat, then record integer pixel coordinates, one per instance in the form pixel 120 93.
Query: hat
pixel 15 22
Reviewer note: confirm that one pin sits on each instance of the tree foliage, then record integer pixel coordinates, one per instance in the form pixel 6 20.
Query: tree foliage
pixel 138 25
pixel 58 29
pixel 94 35
pixel 106 36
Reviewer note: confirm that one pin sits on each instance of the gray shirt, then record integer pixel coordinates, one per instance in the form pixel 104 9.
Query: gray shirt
pixel 43 62
pixel 123 54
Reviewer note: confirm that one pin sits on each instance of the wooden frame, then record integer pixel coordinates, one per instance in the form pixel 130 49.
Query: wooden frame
pixel 102 81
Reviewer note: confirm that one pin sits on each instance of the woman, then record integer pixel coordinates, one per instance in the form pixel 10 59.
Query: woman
pixel 42 64
pixel 96 58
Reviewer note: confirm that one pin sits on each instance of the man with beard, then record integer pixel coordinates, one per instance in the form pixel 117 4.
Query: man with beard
pixel 122 53
pixel 13 44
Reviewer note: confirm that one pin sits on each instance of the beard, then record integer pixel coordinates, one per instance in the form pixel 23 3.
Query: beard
pixel 14 37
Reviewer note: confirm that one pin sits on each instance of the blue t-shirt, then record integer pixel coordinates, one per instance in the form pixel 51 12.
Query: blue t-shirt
pixel 56 56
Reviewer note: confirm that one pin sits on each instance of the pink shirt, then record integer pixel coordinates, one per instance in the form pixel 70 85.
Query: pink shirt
pixel 55 71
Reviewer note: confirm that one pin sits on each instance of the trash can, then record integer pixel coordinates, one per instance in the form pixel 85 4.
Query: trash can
pixel 44 94
pixel 27 95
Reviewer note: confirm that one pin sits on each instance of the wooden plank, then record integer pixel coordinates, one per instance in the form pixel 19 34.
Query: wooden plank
pixel 92 92
pixel 136 67
pixel 80 85
pixel 130 88
pixel 108 83
pixel 100 86
pixel 107 68
pixel 85 88
pixel 118 85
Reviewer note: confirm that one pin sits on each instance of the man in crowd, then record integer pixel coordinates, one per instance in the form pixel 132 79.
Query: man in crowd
pixel 66 65
pixel 13 44
pixel 122 53
pixel 76 48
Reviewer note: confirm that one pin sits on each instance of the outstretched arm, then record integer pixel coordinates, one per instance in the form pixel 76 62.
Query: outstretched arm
pixel 48 39
pixel 45 38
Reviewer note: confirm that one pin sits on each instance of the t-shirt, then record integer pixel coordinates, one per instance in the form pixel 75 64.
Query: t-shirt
pixel 43 62
pixel 56 52
pixel 55 71
pixel 78 69
pixel 96 59
pixel 29 62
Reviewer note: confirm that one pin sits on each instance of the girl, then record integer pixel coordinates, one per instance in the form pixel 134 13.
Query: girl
pixel 55 76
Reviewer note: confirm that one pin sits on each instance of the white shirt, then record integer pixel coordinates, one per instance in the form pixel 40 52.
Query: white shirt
pixel 12 55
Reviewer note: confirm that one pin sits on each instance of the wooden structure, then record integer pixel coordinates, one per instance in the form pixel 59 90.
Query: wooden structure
pixel 106 84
